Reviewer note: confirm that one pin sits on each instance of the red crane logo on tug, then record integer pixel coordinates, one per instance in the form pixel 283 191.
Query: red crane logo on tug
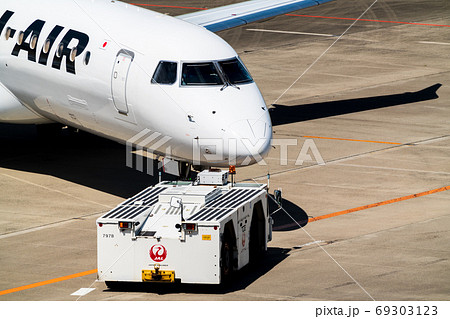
pixel 158 253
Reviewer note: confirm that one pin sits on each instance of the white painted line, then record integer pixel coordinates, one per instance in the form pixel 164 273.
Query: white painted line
pixel 50 225
pixel 82 291
pixel 293 32
pixel 430 42
pixel 56 190
pixel 311 243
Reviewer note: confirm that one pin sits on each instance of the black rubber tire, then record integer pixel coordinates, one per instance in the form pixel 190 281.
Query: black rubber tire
pixel 257 237
pixel 226 260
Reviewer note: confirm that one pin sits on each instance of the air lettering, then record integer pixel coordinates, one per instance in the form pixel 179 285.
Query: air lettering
pixel 65 51
pixel 71 46
pixel 33 31
pixel 43 57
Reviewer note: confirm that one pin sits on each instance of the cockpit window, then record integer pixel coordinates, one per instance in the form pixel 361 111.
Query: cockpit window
pixel 165 73
pixel 235 71
pixel 200 74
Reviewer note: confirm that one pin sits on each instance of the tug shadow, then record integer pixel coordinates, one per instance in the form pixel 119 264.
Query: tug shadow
pixel 288 217
pixel 239 280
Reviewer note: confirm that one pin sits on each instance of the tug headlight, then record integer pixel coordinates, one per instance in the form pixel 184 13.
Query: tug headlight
pixel 190 227
pixel 125 225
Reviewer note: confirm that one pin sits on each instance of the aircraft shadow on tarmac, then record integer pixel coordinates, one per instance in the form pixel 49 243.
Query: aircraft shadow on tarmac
pixel 100 164
pixel 283 114
pixel 77 157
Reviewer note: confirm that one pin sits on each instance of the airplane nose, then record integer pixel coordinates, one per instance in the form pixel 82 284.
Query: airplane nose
pixel 251 140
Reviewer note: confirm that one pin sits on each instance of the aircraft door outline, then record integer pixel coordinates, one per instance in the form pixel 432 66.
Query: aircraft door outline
pixel 119 79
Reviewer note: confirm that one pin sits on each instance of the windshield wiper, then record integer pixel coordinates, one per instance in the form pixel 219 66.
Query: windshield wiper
pixel 225 85
pixel 228 83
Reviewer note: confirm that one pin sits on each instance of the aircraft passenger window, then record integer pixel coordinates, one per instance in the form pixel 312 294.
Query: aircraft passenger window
pixel 20 38
pixel 8 33
pixel 235 71
pixel 33 42
pixel 46 46
pixel 73 54
pixel 87 57
pixel 165 73
pixel 200 74
pixel 60 50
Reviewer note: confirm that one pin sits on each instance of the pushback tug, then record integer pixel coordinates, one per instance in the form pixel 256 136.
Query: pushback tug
pixel 189 232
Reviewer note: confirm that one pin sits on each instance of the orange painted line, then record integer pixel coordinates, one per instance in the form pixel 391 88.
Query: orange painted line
pixel 352 140
pixel 47 282
pixel 395 200
pixel 369 20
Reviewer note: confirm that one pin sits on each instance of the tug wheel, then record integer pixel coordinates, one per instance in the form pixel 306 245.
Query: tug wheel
pixel 226 260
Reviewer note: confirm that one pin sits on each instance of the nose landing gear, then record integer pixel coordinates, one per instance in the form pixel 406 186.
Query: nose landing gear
pixel 184 169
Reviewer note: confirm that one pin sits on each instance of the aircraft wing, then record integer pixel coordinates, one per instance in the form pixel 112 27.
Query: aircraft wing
pixel 238 14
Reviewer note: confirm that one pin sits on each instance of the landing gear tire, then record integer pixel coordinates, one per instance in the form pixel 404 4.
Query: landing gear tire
pixel 257 243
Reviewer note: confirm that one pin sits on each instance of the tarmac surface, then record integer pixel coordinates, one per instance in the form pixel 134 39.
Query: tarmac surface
pixel 372 104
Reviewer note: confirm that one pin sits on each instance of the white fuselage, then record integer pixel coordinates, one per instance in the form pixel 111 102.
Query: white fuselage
pixel 89 64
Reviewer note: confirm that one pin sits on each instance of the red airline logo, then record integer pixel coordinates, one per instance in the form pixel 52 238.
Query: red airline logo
pixel 158 253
